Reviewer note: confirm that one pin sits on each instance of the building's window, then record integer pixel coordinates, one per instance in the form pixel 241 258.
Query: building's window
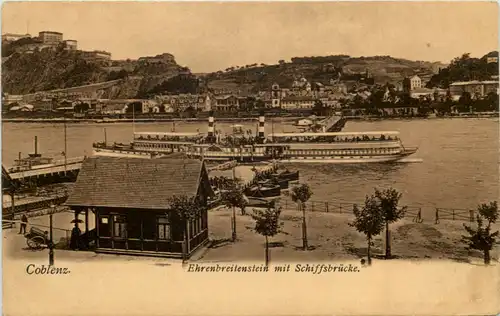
pixel 163 224
pixel 120 226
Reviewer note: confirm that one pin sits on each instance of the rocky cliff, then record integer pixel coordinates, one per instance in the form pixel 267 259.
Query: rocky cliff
pixel 49 70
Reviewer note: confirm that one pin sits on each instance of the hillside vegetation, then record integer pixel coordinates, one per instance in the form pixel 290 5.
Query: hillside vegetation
pixel 28 73
pixel 465 68
pixel 381 69
pixel 48 70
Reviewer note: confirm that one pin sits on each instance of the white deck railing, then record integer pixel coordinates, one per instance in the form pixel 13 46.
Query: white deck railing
pixel 74 163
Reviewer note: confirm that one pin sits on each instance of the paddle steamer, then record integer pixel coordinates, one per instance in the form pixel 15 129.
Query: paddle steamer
pixel 326 147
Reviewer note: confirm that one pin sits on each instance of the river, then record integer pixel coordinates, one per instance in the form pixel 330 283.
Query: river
pixel 457 158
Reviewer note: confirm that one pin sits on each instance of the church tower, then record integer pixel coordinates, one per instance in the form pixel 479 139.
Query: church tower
pixel 276 96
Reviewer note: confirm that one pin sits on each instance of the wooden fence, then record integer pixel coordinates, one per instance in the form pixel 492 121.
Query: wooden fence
pixel 413 212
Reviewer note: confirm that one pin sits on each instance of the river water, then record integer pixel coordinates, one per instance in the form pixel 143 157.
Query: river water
pixel 456 165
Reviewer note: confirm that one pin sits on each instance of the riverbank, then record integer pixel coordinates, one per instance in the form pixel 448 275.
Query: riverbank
pixel 234 119
pixel 379 118
pixel 330 239
pixel 141 120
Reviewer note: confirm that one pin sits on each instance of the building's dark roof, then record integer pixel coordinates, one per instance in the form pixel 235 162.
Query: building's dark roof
pixel 8 184
pixel 134 183
pixel 51 32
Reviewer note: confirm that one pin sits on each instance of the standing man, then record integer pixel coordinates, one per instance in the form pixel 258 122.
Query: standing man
pixel 24 223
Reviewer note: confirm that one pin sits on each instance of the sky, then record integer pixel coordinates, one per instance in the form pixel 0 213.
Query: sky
pixel 211 36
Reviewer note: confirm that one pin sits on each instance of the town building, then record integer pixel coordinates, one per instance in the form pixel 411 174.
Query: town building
pixel 276 96
pixel 130 199
pixel 297 102
pixel 227 103
pixel 34 45
pixel 123 106
pixel 421 92
pixel 165 58
pixel 71 45
pixel 96 55
pixel 415 82
pixel 332 100
pixel 476 88
pixel 401 111
pixel 50 38
pixel 493 59
pixel 336 87
pixel 301 87
pixel 182 102
pixel 10 37
pixel 112 106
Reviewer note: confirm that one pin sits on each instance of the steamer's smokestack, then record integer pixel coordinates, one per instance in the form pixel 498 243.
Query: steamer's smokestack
pixel 211 128
pixel 262 121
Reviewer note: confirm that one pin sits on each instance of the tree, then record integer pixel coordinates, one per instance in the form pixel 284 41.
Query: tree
pixel 134 107
pixel 233 197
pixel 114 75
pixel 388 201
pixel 318 108
pixel 369 221
pixel 300 195
pixel 482 238
pixel 259 104
pixel 267 224
pixel 465 68
pixel 186 209
pixel 81 107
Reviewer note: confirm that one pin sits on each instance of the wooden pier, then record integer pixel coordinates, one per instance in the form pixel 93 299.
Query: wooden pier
pixel 33 206
pixel 59 171
pixel 332 123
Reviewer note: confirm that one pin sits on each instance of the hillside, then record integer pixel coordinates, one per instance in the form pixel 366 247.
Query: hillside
pixel 381 69
pixel 48 70
pixel 465 68
pixel 28 73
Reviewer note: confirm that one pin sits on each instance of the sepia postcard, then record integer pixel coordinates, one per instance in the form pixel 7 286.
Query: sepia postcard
pixel 250 158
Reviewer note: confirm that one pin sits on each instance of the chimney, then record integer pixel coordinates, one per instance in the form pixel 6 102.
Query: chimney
pixel 262 121
pixel 210 135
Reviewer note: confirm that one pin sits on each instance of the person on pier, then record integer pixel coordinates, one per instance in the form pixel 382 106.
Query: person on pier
pixel 24 223
pixel 75 238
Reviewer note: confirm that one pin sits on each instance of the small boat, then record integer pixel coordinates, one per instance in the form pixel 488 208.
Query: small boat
pixel 263 191
pixel 287 175
pixel 259 202
pixel 283 183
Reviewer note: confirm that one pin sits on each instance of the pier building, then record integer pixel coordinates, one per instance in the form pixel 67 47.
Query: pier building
pixel 130 200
